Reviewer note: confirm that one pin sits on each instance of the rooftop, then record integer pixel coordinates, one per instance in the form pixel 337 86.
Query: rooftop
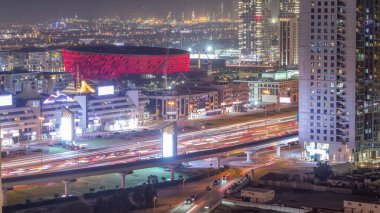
pixel 257 190
pixel 178 92
pixel 127 50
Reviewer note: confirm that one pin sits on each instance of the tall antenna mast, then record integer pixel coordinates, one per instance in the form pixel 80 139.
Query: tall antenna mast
pixel 78 78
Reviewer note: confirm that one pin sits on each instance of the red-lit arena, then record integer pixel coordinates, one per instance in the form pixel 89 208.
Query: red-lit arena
pixel 105 62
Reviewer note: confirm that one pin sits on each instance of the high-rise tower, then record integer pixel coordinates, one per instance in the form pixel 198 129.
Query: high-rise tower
pixel 339 79
pixel 289 31
pixel 254 29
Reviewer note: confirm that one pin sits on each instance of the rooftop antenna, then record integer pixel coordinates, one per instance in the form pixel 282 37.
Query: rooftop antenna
pixel 78 82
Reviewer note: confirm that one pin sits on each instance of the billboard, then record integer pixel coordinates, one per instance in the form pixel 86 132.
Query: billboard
pixel 169 140
pixel 6 100
pixel 106 90
pixel 285 100
pixel 67 128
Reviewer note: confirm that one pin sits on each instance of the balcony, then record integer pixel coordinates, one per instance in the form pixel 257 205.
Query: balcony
pixel 342 140
pixel 340 78
pixel 341 119
pixel 342 126
pixel 341 93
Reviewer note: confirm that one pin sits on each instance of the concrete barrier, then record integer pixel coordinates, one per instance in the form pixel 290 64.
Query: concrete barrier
pixel 265 206
pixel 305 186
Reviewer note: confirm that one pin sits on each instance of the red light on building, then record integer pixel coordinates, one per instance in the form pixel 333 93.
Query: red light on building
pixel 97 65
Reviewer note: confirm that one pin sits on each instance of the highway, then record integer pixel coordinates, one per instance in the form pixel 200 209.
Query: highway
pixel 207 199
pixel 147 147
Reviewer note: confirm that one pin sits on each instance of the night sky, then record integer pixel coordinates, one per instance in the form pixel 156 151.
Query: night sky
pixel 30 11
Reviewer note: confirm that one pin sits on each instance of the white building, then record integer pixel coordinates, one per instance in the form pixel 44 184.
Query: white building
pixel 254 29
pixel 360 207
pixel 18 124
pixel 269 91
pixel 289 32
pixel 257 195
pixel 339 80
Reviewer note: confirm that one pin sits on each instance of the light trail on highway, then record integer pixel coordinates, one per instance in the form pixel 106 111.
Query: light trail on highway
pixel 145 148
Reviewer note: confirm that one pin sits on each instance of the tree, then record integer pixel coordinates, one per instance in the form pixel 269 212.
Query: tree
pixel 322 170
pixel 152 179
pixel 180 176
pixel 164 179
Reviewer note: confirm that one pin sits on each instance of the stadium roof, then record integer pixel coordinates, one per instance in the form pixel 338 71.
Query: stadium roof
pixel 126 50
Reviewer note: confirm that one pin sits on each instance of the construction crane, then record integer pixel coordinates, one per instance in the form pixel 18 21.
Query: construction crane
pixel 165 74
pixel 208 60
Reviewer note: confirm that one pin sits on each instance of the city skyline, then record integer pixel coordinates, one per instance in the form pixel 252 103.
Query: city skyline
pixel 21 11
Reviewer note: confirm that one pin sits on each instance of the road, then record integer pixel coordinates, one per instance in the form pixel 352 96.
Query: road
pixel 145 147
pixel 208 199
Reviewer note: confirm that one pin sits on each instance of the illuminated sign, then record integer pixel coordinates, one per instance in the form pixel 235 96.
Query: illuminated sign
pixel 6 100
pixel 58 98
pixel 167 145
pixel 67 130
pixel 285 100
pixel 106 90
pixel 169 140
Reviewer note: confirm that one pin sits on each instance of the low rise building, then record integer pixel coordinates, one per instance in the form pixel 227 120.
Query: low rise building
pixel 42 82
pixel 232 96
pixel 257 195
pixel 183 103
pixel 362 207
pixel 31 117
pixel 19 122
pixel 38 59
pixel 267 91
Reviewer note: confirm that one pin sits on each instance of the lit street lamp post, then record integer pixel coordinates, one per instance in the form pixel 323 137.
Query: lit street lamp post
pixel 183 186
pixel 41 118
pixel 154 204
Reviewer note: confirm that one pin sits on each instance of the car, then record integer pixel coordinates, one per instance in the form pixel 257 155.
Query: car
pixel 193 197
pixel 216 182
pixel 207 206
pixel 208 188
pixel 188 201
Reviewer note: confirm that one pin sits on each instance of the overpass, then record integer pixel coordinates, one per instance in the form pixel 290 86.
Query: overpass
pixel 125 168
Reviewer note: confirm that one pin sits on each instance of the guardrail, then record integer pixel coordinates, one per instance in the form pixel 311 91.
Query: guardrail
pixel 130 166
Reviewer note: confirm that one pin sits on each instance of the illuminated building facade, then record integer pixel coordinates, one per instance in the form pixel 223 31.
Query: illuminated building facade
pixel 269 91
pixel 255 32
pixel 18 123
pixel 339 80
pixel 42 82
pixel 37 59
pixel 183 104
pixel 232 96
pixel 105 62
pixel 289 39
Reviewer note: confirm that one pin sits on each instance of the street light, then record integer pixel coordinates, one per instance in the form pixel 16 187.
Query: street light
pixel 154 204
pixel 41 118
pixel 183 186
pixel 209 48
